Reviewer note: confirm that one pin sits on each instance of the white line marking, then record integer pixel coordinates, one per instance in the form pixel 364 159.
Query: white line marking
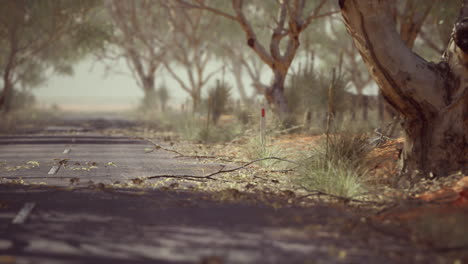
pixel 66 151
pixel 54 169
pixel 23 213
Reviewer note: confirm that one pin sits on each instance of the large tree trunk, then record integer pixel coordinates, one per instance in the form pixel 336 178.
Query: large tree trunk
pixel 431 98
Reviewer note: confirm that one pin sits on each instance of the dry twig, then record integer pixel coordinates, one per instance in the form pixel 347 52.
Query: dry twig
pixel 221 171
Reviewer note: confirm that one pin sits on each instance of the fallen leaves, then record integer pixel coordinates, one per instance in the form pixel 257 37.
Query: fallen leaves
pixel 27 165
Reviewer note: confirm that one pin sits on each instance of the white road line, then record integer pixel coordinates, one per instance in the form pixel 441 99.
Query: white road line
pixel 54 169
pixel 23 213
pixel 66 151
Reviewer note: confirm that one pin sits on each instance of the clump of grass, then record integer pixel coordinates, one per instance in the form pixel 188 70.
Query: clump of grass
pixel 216 134
pixel 255 149
pixel 193 128
pixel 337 168
pixel 187 126
pixel 332 178
pixel 347 148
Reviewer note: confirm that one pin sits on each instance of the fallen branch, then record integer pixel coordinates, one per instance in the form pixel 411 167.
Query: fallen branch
pixel 157 146
pixel 180 155
pixel 221 171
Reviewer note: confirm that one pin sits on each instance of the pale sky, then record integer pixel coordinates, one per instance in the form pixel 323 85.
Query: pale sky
pixel 91 88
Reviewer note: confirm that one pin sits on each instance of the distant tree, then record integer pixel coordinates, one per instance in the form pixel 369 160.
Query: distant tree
pixel 230 48
pixel 289 20
pixel 39 36
pixel 140 36
pixel 193 36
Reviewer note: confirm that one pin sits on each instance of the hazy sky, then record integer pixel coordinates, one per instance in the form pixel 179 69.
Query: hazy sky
pixel 91 88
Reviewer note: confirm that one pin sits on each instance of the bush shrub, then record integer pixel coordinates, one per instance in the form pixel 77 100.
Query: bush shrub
pixel 337 168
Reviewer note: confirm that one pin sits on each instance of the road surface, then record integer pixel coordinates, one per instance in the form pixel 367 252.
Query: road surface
pixel 59 224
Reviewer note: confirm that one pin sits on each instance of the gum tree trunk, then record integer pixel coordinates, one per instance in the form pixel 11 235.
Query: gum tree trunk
pixel 431 98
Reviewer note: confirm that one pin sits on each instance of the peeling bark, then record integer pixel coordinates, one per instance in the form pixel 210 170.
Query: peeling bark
pixel 431 98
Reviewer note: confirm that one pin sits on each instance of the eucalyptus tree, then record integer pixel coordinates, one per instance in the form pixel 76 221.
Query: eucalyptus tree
pixel 140 36
pixel 193 37
pixel 431 98
pixel 240 62
pixel 287 20
pixel 37 37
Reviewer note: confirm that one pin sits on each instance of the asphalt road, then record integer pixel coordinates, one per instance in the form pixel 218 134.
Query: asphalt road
pixel 81 159
pixel 92 225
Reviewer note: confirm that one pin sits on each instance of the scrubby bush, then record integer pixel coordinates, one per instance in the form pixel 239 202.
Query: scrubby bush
pixel 337 166
pixel 218 99
pixel 307 92
pixel 194 128
pixel 255 149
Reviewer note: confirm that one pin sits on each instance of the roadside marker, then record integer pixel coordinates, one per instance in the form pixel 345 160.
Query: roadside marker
pixel 262 126
pixel 23 213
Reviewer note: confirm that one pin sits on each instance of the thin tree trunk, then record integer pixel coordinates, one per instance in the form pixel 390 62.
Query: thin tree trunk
pixel 6 96
pixel 275 94
pixel 7 92
pixel 195 101
pixel 237 72
pixel 365 107
pixel 149 100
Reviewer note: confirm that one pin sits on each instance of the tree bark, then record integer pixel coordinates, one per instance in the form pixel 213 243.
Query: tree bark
pixel 431 98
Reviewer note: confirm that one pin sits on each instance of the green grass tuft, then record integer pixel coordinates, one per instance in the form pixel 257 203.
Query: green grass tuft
pixel 256 150
pixel 340 170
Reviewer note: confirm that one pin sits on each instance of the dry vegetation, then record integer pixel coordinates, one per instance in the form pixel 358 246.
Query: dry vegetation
pixel 302 169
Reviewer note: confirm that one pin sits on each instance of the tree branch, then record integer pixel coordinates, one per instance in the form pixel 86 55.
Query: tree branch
pixel 211 175
pixel 405 79
pixel 202 6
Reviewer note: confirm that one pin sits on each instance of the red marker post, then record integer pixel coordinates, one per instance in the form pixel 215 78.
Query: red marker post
pixel 262 126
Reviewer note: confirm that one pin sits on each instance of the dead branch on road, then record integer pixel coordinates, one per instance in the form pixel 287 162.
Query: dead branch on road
pixel 157 146
pixel 211 175
pixel 220 158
